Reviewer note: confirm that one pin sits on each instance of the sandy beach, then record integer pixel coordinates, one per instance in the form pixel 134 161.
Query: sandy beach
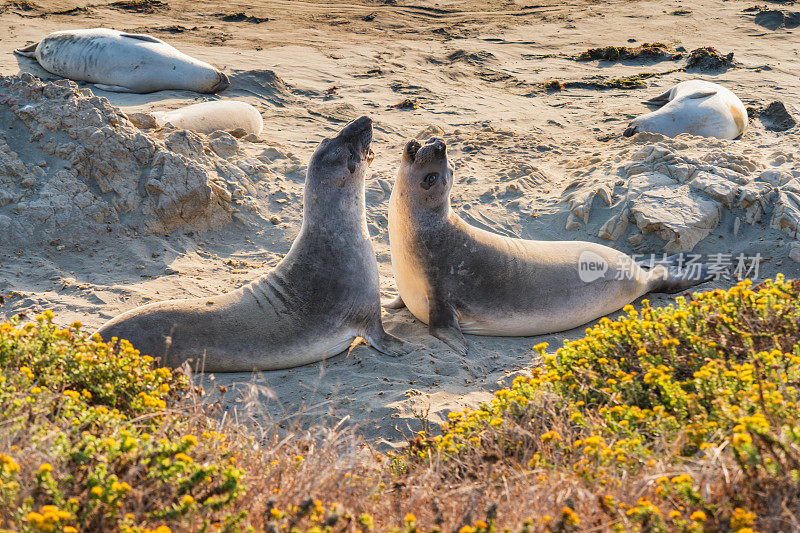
pixel 530 162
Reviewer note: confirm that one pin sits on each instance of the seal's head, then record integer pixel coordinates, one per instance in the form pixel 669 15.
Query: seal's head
pixel 335 176
pixel 221 83
pixel 342 160
pixel 426 175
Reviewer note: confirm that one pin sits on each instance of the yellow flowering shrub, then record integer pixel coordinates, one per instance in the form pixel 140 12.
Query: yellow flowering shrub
pixel 715 373
pixel 683 418
pixel 87 443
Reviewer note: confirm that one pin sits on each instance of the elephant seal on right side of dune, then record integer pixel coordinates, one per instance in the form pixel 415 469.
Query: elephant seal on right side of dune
pixel 697 107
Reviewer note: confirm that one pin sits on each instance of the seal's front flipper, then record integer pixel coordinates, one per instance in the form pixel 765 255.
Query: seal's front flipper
pixel 388 344
pixel 443 324
pixel 397 303
pixel 701 94
pixel 28 51
pixel 141 37
pixel 113 88
pixel 659 100
pixel 673 277
pixel 451 337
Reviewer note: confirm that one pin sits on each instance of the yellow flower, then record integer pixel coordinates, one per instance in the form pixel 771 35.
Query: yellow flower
pixel 550 435
pixel 96 491
pixel 466 529
pixel 570 517
pixel 72 394
pixel 188 500
pixel 45 468
pixel 69 529
pixel 410 518
pixel 698 516
pixel 120 487
pixel 180 456
pixel 190 439
pixel 480 524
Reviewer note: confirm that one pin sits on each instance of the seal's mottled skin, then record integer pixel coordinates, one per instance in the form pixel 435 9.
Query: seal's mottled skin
pixel 123 62
pixel 458 278
pixel 697 107
pixel 207 117
pixel 319 298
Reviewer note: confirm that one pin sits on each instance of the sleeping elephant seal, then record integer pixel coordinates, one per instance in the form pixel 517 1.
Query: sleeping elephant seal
pixel 319 298
pixel 208 117
pixel 461 279
pixel 696 107
pixel 123 62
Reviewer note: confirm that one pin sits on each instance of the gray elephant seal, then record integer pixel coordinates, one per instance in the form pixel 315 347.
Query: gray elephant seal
pixel 208 117
pixel 319 298
pixel 461 279
pixel 123 62
pixel 697 107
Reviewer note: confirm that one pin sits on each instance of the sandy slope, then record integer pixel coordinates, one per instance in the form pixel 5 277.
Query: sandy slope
pixel 475 69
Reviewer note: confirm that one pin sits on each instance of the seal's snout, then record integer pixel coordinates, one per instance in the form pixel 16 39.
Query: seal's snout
pixel 434 152
pixel 630 131
pixel 358 133
pixel 223 82
pixel 438 145
pixel 357 128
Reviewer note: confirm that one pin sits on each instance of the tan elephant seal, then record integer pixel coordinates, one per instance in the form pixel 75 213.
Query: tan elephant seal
pixel 219 115
pixel 697 107
pixel 461 279
pixel 123 62
pixel 319 298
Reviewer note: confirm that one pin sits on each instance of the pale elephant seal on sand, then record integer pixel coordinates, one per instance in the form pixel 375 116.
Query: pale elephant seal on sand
pixel 461 279
pixel 123 62
pixel 696 107
pixel 207 117
pixel 319 298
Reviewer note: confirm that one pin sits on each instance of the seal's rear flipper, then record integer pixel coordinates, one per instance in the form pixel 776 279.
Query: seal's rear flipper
pixel 671 277
pixel 397 303
pixel 28 51
pixel 113 88
pixel 659 100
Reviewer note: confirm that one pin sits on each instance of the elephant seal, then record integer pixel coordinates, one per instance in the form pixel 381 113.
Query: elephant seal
pixel 315 302
pixel 461 279
pixel 123 62
pixel 697 107
pixel 207 117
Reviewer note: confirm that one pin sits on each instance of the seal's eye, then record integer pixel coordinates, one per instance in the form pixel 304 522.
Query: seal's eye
pixel 429 180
